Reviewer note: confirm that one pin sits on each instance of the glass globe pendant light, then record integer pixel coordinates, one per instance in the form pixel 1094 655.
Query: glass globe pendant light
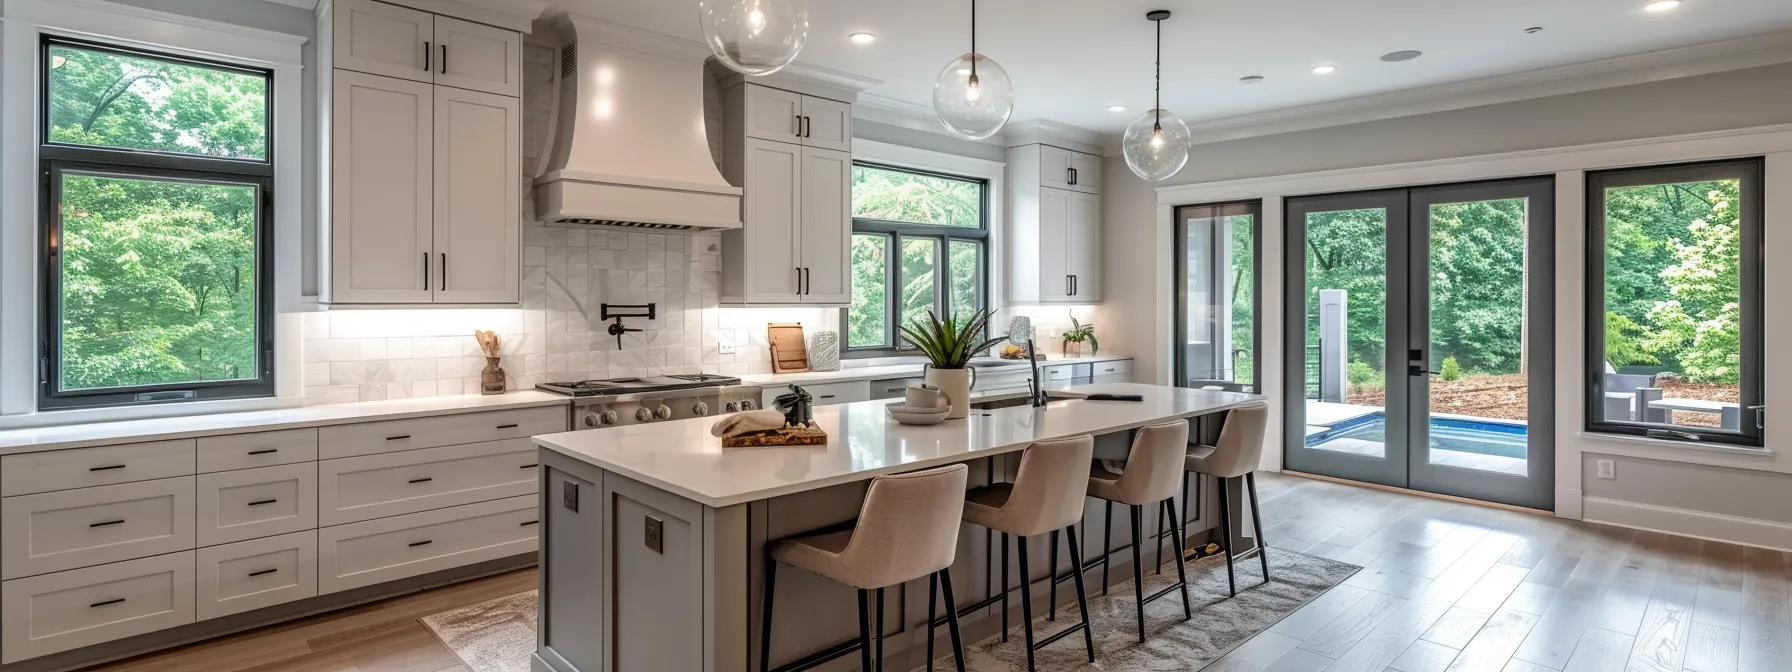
pixel 973 96
pixel 754 37
pixel 1156 145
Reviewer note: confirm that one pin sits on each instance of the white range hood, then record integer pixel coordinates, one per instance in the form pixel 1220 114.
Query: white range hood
pixel 630 147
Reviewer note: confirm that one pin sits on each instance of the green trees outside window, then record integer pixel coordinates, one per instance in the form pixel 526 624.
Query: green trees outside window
pixel 918 245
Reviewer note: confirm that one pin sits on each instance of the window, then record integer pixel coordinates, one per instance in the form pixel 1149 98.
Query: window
pixel 1674 291
pixel 1216 288
pixel 157 186
pixel 919 244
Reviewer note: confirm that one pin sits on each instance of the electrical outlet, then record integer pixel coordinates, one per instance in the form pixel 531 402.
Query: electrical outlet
pixel 1608 470
pixel 725 348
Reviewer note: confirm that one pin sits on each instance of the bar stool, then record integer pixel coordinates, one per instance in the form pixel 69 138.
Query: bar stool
pixel 1237 453
pixel 907 528
pixel 1046 496
pixel 1151 476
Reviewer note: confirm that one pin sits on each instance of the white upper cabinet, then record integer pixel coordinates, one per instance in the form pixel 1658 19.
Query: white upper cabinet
pixel 478 57
pixel 1055 241
pixel 789 154
pixel 477 229
pixel 382 39
pixel 382 204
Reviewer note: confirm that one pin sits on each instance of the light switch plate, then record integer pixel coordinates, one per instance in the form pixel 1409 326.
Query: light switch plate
pixel 1608 470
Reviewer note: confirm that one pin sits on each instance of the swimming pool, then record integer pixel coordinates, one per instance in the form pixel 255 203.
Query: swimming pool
pixel 1482 437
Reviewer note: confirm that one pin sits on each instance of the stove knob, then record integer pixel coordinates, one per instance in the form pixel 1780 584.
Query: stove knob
pixel 732 407
pixel 608 417
pixel 700 409
pixel 746 405
pixel 664 412
pixel 643 415
pixel 590 419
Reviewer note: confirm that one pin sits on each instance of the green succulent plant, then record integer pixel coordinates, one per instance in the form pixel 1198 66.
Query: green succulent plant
pixel 950 344
pixel 1080 332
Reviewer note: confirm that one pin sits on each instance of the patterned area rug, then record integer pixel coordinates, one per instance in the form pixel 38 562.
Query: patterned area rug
pixel 499 635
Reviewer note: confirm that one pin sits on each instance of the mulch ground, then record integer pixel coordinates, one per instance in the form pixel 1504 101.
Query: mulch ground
pixel 1504 397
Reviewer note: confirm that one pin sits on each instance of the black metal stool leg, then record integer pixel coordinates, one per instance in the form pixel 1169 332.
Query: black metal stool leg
pixel 1026 600
pixel 933 607
pixel 1158 541
pixel 1181 573
pixel 1004 586
pixel 864 629
pixel 880 630
pixel 1107 548
pixel 1250 481
pixel 765 620
pixel 1082 596
pixel 1051 605
pixel 1226 536
pixel 952 617
pixel 1138 571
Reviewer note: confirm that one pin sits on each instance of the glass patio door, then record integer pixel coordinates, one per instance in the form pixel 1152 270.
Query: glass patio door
pixel 1216 296
pixel 1421 350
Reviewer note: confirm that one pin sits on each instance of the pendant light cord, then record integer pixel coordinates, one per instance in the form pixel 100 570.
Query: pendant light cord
pixel 973 41
pixel 1157 107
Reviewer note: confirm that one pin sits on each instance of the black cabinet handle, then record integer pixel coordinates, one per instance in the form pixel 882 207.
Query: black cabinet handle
pixel 444 59
pixel 426 66
pixel 398 438
pixel 425 278
pixel 264 452
pixel 1073 176
pixel 444 256
pixel 799 127
pixel 511 426
pixel 108 523
pixel 108 467
pixel 415 544
pixel 529 466
pixel 264 572
pixel 827 396
pixel 264 501
pixel 421 480
pixel 528 523
pixel 107 602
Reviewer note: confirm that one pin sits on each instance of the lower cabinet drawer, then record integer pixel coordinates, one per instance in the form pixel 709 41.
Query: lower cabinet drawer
pixel 361 554
pixel 69 610
pixel 262 502
pixel 249 575
pixel 354 489
pixel 56 531
pixel 825 394
pixel 1119 367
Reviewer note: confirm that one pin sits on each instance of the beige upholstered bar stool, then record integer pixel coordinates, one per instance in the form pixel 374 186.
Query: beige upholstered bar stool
pixel 1153 471
pixel 907 529
pixel 1046 496
pixel 1237 453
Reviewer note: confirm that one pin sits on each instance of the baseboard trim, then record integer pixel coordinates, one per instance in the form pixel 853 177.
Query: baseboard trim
pixel 1568 503
pixel 1688 523
pixel 1421 493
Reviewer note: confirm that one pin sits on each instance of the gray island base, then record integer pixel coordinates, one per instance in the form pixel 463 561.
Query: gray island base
pixel 653 535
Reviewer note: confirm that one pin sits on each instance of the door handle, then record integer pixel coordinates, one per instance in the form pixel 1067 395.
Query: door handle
pixel 426 66
pixel 1419 370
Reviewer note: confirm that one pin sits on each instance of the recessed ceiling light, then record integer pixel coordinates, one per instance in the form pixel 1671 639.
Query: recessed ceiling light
pixel 1251 79
pixel 1402 55
pixel 1116 108
pixel 1661 5
pixel 862 38
pixel 1324 69
pixel 1533 29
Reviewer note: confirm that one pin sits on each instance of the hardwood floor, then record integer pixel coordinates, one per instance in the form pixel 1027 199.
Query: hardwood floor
pixel 1445 586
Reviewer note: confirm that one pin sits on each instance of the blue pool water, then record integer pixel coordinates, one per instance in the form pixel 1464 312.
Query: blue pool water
pixel 1484 437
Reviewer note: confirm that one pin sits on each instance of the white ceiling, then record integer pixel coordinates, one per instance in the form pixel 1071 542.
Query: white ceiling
pixel 1071 59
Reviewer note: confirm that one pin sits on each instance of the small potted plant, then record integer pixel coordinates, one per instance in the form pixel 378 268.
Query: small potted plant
pixel 949 347
pixel 1079 332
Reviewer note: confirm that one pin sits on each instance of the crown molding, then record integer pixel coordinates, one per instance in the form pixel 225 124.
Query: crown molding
pixel 1055 133
pixel 1749 52
pixel 568 26
pixel 904 114
pixel 307 5
pixel 517 15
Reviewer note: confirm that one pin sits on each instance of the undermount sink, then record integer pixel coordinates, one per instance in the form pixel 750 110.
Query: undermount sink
pixel 1011 402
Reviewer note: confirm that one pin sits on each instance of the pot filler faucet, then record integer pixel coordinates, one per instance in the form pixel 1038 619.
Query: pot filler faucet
pixel 619 311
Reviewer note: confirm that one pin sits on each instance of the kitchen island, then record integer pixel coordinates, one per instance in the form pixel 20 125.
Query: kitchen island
pixel 653 535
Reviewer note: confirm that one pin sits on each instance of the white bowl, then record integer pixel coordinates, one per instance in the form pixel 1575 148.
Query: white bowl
pixel 917 415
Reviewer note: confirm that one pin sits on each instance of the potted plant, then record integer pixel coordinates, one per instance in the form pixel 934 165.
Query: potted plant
pixel 1079 332
pixel 949 347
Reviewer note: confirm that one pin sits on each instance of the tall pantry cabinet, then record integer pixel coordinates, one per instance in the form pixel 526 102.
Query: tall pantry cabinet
pixel 424 120
pixel 1055 241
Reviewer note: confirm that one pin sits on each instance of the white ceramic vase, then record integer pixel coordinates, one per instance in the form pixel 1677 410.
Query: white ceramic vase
pixel 956 385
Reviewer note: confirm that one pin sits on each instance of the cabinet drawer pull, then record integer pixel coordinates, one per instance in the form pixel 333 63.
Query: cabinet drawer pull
pixel 264 501
pixel 420 480
pixel 827 396
pixel 105 603
pixel 108 523
pixel 263 572
pixel 529 466
pixel 510 426
pixel 264 451
pixel 400 437
pixel 108 467
pixel 528 523
pixel 426 542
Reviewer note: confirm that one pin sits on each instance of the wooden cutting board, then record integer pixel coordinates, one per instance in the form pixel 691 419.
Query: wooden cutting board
pixel 789 354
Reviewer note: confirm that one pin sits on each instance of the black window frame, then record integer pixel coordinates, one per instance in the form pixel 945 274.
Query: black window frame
pixel 895 232
pixel 1179 264
pixel 55 159
pixel 1751 217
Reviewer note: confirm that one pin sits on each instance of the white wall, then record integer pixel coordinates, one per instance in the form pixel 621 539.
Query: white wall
pixel 1693 118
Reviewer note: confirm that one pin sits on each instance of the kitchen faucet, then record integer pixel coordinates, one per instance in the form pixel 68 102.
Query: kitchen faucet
pixel 1036 394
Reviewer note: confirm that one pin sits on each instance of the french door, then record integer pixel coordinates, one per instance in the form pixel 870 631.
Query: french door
pixel 1420 339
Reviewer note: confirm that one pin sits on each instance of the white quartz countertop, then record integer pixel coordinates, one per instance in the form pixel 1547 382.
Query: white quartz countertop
pixel 682 458
pixel 162 429
pixel 900 371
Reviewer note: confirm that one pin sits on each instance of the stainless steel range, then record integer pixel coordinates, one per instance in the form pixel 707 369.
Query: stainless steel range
pixel 632 401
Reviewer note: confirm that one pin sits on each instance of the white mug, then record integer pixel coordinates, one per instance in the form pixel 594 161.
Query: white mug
pixel 926 397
